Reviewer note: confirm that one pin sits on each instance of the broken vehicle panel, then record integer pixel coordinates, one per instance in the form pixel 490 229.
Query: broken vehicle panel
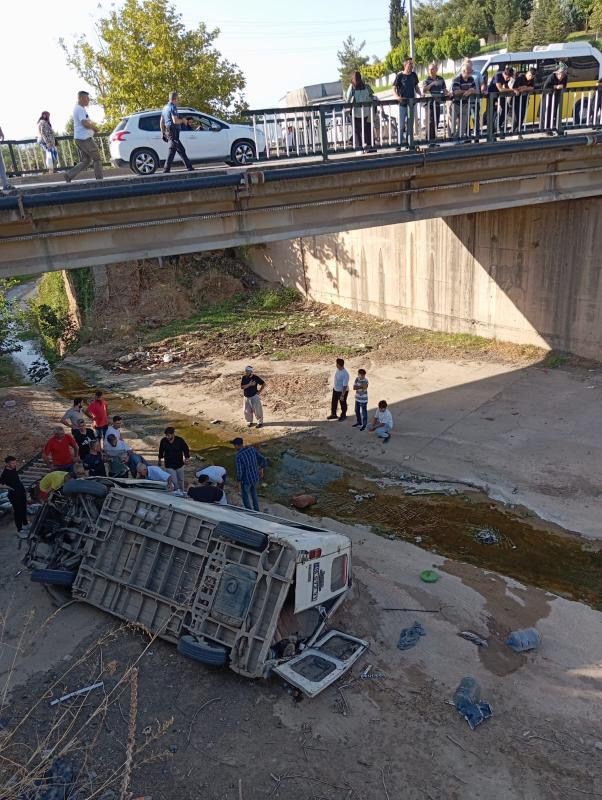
pixel 225 584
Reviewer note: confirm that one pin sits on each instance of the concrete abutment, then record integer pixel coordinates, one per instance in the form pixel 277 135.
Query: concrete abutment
pixel 529 275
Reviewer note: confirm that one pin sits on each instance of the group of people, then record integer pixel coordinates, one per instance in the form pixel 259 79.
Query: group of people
pixel 507 91
pixel 382 421
pixel 94 446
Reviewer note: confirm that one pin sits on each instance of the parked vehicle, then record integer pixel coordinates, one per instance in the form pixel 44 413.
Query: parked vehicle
pixel 136 141
pixel 228 586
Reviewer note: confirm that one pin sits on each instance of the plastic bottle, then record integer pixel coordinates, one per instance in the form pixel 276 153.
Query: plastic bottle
pixel 468 691
pixel 524 639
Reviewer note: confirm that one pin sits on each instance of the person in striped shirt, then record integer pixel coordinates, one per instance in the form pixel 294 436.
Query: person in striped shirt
pixel 360 387
pixel 250 464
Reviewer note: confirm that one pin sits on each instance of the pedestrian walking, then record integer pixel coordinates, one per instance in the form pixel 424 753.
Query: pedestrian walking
pixel 382 424
pixel 360 92
pixel 72 416
pixel 60 451
pixel 5 186
pixel 84 437
pixel 47 141
pixel 252 386
pixel 250 464
pixel 17 496
pixel 174 451
pixel 83 136
pixel 99 414
pixel 406 87
pixel 170 123
pixel 340 390
pixel 206 491
pixel 360 387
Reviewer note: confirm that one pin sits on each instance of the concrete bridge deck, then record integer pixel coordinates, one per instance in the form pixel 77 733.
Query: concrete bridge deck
pixel 65 227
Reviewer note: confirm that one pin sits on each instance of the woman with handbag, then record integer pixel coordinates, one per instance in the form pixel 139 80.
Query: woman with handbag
pixel 47 141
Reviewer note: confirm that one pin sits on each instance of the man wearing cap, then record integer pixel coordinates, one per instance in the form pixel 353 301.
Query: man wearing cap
pixel 249 469
pixel 553 85
pixel 83 135
pixel 252 386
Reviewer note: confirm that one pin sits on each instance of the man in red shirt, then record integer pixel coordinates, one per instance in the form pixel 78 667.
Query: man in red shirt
pixel 60 452
pixel 98 412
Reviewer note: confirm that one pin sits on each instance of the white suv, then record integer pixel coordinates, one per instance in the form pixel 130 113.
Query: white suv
pixel 136 142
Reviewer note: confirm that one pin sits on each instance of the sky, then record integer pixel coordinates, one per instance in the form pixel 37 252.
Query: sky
pixel 279 47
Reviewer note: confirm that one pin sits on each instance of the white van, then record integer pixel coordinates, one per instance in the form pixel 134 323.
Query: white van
pixel 227 585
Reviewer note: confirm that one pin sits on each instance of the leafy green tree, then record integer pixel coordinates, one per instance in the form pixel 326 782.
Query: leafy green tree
pixel 519 37
pixel 507 13
pixel 397 11
pixel 425 49
pixel 145 52
pixel 457 43
pixel 549 22
pixel 595 17
pixel 351 58
pixel 427 17
pixel 476 20
pixel 526 8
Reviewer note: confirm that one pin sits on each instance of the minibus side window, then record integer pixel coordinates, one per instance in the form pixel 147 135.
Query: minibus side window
pixel 583 69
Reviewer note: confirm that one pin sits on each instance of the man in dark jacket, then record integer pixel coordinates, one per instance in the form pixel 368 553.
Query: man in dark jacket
pixel 9 479
pixel 174 450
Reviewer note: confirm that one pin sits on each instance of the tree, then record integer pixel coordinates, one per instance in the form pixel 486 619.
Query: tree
pixel 595 18
pixel 519 37
pixel 549 22
pixel 507 13
pixel 9 322
pixel 145 51
pixel 476 21
pixel 457 43
pixel 351 58
pixel 397 11
pixel 425 49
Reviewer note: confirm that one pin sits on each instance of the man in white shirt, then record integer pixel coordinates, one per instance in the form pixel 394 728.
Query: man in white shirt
pixel 340 390
pixel 217 476
pixel 156 474
pixel 382 423
pixel 83 135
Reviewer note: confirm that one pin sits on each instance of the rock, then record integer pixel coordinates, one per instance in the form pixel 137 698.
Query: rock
pixel 303 501
pixel 10 403
pixel 598 745
pixel 167 358
pixel 127 359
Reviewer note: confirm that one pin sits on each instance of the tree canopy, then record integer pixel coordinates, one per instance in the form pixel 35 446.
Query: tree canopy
pixel 144 52
pixel 351 58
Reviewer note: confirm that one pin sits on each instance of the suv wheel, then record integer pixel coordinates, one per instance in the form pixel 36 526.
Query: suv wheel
pixel 242 152
pixel 144 161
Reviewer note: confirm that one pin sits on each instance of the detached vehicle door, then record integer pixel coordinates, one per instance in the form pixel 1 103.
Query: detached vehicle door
pixel 321 664
pixel 204 139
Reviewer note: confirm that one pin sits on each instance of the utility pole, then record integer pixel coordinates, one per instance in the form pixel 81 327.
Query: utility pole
pixel 411 28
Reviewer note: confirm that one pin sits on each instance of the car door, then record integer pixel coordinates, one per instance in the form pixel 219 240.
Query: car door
pixel 204 139
pixel 149 126
pixel 321 664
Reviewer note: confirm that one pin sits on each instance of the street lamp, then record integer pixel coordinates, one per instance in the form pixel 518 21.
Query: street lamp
pixel 411 28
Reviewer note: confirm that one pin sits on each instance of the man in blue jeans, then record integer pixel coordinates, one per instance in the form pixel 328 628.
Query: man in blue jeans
pixel 249 469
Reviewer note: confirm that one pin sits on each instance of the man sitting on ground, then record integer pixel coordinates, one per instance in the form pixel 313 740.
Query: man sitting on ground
pixel 382 423
pixel 93 462
pixel 205 492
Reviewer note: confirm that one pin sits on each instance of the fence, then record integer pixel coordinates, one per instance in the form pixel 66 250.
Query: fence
pixel 430 121
pixel 26 157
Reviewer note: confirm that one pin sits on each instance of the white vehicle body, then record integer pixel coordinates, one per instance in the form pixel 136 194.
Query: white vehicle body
pixel 137 142
pixel 228 586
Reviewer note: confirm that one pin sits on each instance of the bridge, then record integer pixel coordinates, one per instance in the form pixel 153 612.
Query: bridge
pixel 54 227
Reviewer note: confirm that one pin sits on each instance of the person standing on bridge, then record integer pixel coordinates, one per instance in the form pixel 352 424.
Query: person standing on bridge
pixel 47 141
pixel 83 135
pixel 360 93
pixel 9 479
pixel 552 97
pixel 4 184
pixel 170 129
pixel 406 87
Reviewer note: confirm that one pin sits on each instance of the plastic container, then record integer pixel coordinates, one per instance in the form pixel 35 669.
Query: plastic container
pixel 524 639
pixel 468 691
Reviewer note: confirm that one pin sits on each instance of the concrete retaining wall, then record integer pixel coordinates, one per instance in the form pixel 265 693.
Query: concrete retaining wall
pixel 527 275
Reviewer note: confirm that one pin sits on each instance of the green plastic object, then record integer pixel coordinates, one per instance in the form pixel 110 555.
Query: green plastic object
pixel 429 576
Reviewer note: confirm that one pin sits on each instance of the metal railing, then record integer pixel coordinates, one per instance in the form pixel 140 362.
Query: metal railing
pixel 326 130
pixel 26 156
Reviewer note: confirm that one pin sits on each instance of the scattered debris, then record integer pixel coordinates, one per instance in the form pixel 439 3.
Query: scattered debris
pixel 10 403
pixel 467 700
pixel 85 690
pixel 367 675
pixel 303 501
pixel 409 637
pixel 429 576
pixel 416 610
pixel 487 536
pixel 216 422
pixel 470 636
pixel 524 639
pixel 360 498
pixel 168 358
pixel 418 539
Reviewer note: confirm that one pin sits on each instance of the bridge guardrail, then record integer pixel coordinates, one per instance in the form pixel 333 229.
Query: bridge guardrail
pixel 325 130
pixel 26 157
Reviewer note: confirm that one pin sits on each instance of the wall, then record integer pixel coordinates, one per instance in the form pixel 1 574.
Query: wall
pixel 529 275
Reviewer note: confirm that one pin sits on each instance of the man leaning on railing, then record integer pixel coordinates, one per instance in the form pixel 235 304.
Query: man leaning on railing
pixel 4 184
pixel 464 89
